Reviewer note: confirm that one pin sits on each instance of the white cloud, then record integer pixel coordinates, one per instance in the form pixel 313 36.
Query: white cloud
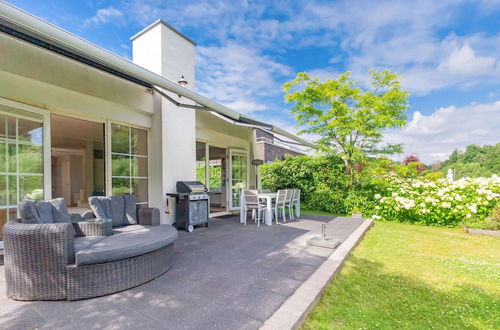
pixel 463 61
pixel 240 77
pixel 433 137
pixel 105 15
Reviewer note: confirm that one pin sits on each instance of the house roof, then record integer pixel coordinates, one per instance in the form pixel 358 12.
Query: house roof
pixel 97 56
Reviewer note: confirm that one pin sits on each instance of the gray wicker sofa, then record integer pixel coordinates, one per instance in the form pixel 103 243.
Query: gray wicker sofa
pixel 60 257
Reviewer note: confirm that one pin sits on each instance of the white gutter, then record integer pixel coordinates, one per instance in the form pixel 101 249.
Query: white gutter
pixel 59 36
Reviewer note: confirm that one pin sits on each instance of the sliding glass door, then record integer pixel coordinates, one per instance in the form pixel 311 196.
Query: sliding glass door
pixel 21 161
pixel 238 176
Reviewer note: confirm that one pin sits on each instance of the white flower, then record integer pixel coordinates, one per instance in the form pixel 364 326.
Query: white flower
pixel 378 196
pixel 446 205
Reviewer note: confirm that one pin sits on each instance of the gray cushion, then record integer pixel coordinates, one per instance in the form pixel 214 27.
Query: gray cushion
pixel 44 209
pixel 59 210
pixel 108 208
pixel 118 210
pixel 125 229
pixel 127 244
pixel 130 216
pixel 28 212
pixel 82 243
pixel 49 211
pixel 97 208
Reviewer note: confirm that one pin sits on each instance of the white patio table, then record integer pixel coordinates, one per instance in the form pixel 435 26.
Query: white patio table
pixel 269 207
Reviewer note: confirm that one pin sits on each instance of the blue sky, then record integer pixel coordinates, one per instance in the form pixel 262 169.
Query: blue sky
pixel 447 51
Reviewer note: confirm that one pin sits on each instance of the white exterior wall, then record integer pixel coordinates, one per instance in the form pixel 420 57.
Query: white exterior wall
pixel 160 49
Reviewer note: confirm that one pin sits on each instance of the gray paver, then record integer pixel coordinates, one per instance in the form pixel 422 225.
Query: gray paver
pixel 226 276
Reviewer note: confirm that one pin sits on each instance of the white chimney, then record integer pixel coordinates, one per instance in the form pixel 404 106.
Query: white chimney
pixel 165 51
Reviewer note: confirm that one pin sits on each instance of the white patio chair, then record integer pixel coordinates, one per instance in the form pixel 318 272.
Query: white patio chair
pixel 296 202
pixel 288 202
pixel 251 202
pixel 279 205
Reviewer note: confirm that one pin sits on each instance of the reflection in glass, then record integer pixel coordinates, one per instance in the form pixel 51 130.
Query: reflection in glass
pixel 3 156
pixel 140 166
pixel 12 192
pixel 21 163
pixel 201 162
pixel 31 187
pixel 121 186
pixel 120 165
pixel 30 131
pixel 30 159
pixel 3 190
pixel 140 189
pixel 120 141
pixel 139 142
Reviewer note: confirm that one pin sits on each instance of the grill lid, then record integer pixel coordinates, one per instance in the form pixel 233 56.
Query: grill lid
pixel 190 187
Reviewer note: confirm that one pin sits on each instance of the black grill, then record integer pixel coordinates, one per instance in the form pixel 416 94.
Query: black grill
pixel 191 207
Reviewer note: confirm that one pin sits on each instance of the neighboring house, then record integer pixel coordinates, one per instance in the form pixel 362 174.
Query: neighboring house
pixel 269 149
pixel 77 120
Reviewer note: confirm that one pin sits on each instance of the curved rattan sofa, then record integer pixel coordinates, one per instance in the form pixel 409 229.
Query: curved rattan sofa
pixel 47 261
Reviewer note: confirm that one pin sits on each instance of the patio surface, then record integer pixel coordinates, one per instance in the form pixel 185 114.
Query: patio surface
pixel 226 276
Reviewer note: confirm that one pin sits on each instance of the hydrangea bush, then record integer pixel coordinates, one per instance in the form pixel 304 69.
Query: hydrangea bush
pixel 435 202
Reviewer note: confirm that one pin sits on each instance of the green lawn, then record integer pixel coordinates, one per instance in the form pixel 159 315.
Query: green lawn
pixel 414 277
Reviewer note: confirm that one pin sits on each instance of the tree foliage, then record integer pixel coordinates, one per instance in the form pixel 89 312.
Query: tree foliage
pixel 474 162
pixel 349 120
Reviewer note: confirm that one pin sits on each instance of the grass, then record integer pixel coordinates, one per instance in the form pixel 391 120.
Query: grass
pixel 414 277
pixel 307 211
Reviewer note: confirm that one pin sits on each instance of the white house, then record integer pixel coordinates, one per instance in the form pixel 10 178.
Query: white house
pixel 77 120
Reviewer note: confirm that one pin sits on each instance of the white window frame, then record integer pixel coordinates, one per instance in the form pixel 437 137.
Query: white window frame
pixel 230 153
pixel 46 145
pixel 109 158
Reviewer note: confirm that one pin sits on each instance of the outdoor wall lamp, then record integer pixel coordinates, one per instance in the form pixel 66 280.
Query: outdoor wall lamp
pixel 183 82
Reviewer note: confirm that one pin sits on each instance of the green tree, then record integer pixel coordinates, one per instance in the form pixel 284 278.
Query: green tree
pixel 349 120
pixel 475 161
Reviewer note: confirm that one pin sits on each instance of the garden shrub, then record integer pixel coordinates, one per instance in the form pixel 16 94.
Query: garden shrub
pixel 322 181
pixel 490 223
pixel 383 191
pixel 436 203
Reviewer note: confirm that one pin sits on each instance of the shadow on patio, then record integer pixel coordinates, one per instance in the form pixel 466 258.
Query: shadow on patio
pixel 226 276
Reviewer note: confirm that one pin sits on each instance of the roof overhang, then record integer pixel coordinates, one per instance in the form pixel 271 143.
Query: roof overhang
pixel 67 41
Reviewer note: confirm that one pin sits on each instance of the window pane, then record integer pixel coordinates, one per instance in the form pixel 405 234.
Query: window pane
pixel 201 162
pixel 140 189
pixel 13 213
pixel 120 165
pixel 3 221
pixel 120 139
pixel 120 186
pixel 139 142
pixel 3 156
pixel 12 191
pixel 139 166
pixel 30 131
pixel 3 190
pixel 11 158
pixel 30 159
pixel 31 187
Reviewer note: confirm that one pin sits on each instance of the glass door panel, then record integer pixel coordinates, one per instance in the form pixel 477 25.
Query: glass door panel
pixel 238 177
pixel 21 162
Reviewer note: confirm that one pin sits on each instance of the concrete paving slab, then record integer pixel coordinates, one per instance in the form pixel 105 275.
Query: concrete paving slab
pixel 226 276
